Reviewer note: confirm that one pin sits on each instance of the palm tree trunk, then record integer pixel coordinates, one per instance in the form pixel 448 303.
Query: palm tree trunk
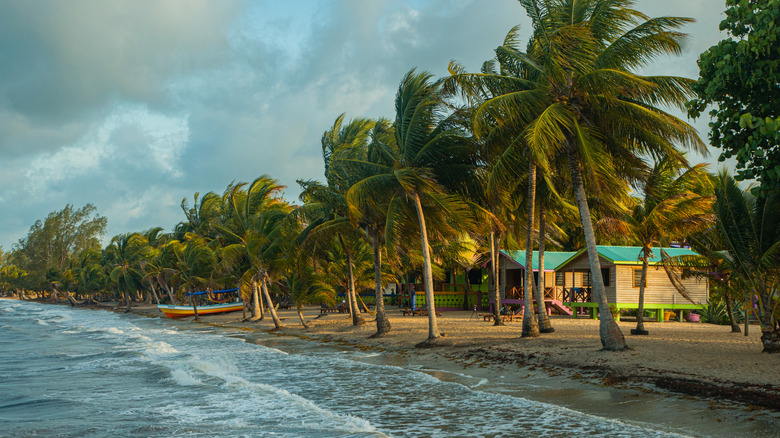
pixel 545 326
pixel 612 338
pixel 154 293
pixel 640 311
pixel 433 327
pixel 357 318
pixel 257 313
pixel 167 289
pixel 466 288
pixel 494 271
pixel 261 305
pixel 530 324
pixel 730 312
pixel 300 316
pixel 127 298
pixel 382 323
pixel 274 316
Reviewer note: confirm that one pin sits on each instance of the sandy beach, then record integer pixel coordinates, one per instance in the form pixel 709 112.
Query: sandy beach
pixel 693 359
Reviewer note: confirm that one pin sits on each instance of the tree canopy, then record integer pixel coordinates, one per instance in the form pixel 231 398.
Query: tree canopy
pixel 56 240
pixel 740 77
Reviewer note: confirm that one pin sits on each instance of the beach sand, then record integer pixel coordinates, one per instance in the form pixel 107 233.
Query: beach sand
pixel 696 359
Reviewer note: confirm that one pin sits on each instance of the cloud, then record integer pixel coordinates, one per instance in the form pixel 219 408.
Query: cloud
pixel 135 104
pixel 130 137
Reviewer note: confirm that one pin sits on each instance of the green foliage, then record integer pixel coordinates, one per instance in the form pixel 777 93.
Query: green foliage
pixel 716 313
pixel 740 76
pixel 54 242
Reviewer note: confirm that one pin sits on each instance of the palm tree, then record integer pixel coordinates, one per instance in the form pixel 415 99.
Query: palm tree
pixel 582 97
pixel 428 149
pixel 305 286
pixel 195 263
pixel 125 252
pixel 673 205
pixel 371 220
pixel 249 233
pixel 326 206
pixel 750 230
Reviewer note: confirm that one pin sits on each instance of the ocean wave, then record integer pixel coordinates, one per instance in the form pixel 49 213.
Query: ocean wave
pixel 182 377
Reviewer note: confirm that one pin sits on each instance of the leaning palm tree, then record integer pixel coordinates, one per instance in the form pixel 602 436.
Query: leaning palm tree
pixel 125 253
pixel 427 149
pixel 673 204
pixel 250 233
pixel 582 96
pixel 325 205
pixel 195 263
pixel 305 286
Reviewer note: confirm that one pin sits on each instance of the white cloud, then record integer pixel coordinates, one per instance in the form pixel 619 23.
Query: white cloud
pixel 130 136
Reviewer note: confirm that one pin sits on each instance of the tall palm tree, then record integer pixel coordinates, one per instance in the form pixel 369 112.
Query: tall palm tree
pixel 249 234
pixel 427 150
pixel 325 206
pixel 674 204
pixel 582 96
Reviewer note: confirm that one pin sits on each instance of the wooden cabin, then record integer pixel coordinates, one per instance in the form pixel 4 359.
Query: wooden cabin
pixel 621 269
pixel 512 277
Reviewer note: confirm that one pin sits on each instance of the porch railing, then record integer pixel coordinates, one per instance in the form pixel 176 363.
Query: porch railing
pixel 550 293
pixel 576 295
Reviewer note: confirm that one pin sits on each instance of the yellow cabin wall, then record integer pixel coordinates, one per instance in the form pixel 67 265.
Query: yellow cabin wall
pixel 659 288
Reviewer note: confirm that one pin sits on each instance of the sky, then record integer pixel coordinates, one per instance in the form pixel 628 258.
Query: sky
pixel 135 105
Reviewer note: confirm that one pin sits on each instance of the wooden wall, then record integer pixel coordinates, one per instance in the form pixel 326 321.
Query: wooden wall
pixel 658 289
pixel 581 263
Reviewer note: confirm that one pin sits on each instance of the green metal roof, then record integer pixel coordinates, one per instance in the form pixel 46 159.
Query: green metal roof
pixel 630 255
pixel 551 258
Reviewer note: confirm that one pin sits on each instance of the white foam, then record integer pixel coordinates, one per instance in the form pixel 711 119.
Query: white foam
pixel 182 377
pixel 160 347
pixel 480 383
pixel 40 322
pixel 115 331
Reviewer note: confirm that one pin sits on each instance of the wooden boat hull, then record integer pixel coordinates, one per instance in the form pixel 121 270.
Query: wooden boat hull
pixel 182 311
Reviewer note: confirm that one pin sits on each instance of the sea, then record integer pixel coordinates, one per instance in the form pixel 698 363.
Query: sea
pixel 72 372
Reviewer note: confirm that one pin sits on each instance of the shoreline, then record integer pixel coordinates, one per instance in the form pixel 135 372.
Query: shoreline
pixel 700 362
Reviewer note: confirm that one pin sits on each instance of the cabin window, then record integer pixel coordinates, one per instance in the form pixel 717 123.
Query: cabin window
pixel 559 278
pixel 638 277
pixel 536 277
pixel 586 279
pixel 475 276
pixel 605 276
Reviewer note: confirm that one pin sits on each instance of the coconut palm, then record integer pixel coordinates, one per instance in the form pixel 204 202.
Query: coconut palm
pixel 750 230
pixel 195 263
pixel 372 221
pixel 305 286
pixel 582 97
pixel 427 151
pixel 674 204
pixel 125 252
pixel 325 205
pixel 249 233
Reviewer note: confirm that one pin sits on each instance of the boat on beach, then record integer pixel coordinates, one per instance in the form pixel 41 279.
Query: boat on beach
pixel 177 311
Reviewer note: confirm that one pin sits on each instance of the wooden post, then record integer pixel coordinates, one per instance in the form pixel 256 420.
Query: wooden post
pixel 192 301
pixel 747 314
